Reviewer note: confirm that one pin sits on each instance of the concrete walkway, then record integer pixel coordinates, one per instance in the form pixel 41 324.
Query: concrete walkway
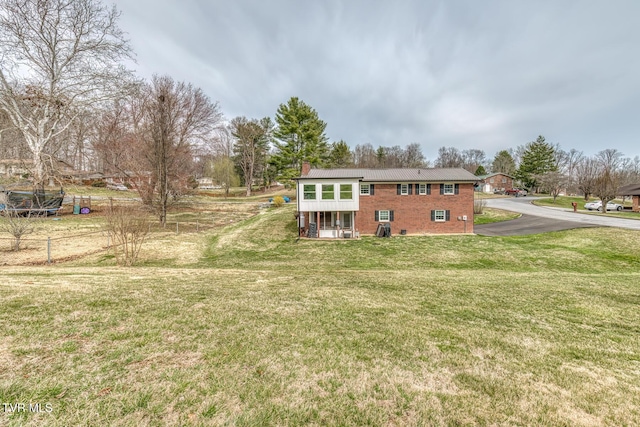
pixel 538 219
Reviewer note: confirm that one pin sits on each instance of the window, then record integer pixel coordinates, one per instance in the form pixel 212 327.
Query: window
pixel 404 189
pixel 346 192
pixel 504 180
pixel 309 191
pixel 327 192
pixel 491 180
pixel 365 189
pixel 440 216
pixel 422 189
pixel 449 189
pixel 383 216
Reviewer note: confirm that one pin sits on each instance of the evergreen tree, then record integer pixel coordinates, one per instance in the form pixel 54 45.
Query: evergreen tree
pixel 538 159
pixel 503 162
pixel 299 137
pixel 480 171
pixel 381 156
pixel 341 156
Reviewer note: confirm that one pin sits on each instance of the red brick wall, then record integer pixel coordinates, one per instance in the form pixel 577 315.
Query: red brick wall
pixel 636 204
pixel 413 212
pixel 497 182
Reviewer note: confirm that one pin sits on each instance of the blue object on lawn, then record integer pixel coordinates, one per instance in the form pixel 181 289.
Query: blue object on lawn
pixel 286 199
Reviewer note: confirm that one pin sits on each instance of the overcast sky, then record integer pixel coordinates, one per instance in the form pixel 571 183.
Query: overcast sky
pixel 491 74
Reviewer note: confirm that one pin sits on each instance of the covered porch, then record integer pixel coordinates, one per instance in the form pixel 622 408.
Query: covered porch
pixel 328 224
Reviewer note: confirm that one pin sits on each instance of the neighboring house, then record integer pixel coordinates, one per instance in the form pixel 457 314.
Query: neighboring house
pixel 14 167
pixel 495 181
pixel 349 202
pixel 633 191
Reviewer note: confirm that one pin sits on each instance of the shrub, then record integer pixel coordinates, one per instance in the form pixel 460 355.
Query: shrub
pixel 99 184
pixel 478 206
pixel 18 226
pixel 128 229
pixel 278 201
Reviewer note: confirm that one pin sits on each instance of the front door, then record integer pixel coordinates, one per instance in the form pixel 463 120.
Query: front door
pixel 346 220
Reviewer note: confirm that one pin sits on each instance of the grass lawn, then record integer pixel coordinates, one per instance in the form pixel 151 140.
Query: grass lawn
pixel 263 329
pixel 491 215
pixel 565 202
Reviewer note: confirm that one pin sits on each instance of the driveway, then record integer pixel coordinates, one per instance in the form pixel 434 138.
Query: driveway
pixel 537 219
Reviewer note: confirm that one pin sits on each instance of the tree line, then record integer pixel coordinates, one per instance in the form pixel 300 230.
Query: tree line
pixel 67 96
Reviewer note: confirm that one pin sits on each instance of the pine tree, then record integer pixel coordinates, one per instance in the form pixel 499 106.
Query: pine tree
pixel 341 156
pixel 299 137
pixel 503 162
pixel 538 159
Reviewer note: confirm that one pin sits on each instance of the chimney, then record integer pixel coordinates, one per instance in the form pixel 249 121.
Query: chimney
pixel 306 167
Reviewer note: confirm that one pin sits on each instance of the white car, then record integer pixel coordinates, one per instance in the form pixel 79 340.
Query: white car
pixel 117 187
pixel 597 206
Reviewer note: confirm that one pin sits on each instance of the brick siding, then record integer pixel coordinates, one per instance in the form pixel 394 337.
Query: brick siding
pixel 413 212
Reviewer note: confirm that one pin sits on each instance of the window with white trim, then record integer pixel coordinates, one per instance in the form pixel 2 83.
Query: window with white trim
pixel 383 216
pixel 365 189
pixel 404 189
pixel 309 192
pixel 504 180
pixel 422 189
pixel 449 189
pixel 327 192
pixel 440 216
pixel 346 192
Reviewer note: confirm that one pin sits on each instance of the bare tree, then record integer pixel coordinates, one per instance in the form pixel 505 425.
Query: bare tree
pixel 364 156
pixel 449 157
pixel 609 178
pixel 413 157
pixel 251 145
pixel 553 182
pixel 568 162
pixel 128 229
pixel 18 225
pixel 58 58
pixel 586 172
pixel 472 159
pixel 176 117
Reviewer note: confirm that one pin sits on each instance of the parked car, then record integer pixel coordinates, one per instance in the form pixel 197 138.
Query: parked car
pixel 597 206
pixel 117 187
pixel 516 192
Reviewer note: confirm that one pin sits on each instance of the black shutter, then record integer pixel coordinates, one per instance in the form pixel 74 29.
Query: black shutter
pixel 441 188
pixel 428 189
pixel 410 185
pixel 417 189
pixel 371 190
pixel 398 189
pixel 377 216
pixel 447 216
pixel 433 215
pixel 457 189
pixel 390 215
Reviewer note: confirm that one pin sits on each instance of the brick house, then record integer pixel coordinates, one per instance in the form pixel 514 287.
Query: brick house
pixel 349 202
pixel 495 181
pixel 633 191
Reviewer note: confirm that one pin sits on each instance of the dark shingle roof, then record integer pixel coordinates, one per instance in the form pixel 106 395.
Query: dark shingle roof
pixel 394 175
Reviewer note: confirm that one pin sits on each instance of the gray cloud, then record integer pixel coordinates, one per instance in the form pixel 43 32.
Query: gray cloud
pixel 488 75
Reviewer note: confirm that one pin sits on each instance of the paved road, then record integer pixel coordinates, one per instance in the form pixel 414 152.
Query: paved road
pixel 537 219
